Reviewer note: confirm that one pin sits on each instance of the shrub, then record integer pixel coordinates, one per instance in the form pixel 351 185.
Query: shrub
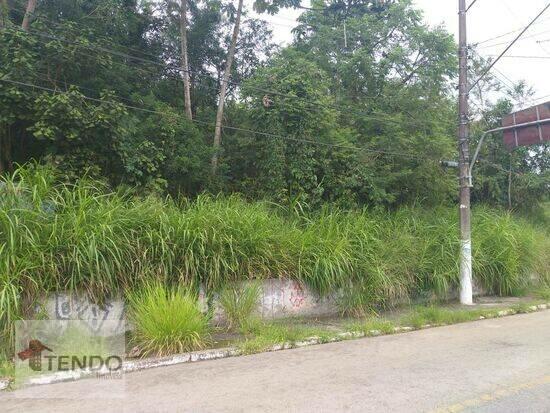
pixel 504 251
pixel 166 320
pixel 239 303
pixel 89 239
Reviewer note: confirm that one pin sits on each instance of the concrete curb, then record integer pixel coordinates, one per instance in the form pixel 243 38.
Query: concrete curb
pixel 143 364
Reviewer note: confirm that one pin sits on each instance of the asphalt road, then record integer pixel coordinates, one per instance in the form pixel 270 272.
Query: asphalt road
pixel 500 365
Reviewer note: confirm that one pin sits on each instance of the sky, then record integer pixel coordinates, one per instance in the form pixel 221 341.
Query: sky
pixel 487 19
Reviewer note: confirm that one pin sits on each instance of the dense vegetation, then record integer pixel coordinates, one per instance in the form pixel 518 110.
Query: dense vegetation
pixel 358 110
pixel 328 172
pixel 83 237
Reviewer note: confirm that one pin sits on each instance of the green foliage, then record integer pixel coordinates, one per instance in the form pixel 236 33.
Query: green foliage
pixel 506 252
pixel 166 320
pixel 362 97
pixel 543 293
pixel 421 316
pixel 83 237
pixel 262 336
pixel 163 151
pixel 239 304
pixel 7 368
pixel 372 324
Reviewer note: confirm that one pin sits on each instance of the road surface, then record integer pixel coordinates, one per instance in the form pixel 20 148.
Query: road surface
pixel 500 365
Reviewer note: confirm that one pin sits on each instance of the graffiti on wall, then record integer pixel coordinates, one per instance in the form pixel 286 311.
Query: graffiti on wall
pixel 71 307
pixel 298 294
pixel 282 297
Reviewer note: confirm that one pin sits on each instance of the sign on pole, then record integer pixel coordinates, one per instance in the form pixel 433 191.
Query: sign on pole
pixel 531 134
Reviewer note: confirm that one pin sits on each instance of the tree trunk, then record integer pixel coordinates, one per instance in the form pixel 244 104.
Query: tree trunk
pixel 5 150
pixel 2 167
pixel 31 5
pixel 510 185
pixel 223 90
pixel 4 11
pixel 184 60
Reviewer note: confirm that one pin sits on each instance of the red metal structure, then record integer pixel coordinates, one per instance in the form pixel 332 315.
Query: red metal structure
pixel 530 130
pixel 524 128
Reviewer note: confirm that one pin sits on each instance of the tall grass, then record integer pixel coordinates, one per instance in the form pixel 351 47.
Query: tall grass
pixel 239 303
pixel 87 238
pixel 166 320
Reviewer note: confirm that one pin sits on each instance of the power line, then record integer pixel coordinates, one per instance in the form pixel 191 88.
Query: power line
pixel 521 57
pixel 520 40
pixel 266 134
pixel 316 104
pixel 471 5
pixel 46 78
pixel 341 109
pixel 59 24
pixel 178 68
pixel 505 81
pixel 500 36
pixel 510 45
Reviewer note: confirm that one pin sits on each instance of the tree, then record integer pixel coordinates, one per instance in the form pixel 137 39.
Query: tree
pixel 223 90
pixel 388 95
pixel 184 59
pixel 31 6
pixel 310 157
pixel 260 6
pixel 358 110
pixel 4 12
pixel 517 180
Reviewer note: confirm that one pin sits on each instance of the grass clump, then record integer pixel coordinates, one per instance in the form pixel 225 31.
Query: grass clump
pixel 523 308
pixel 543 293
pixel 239 304
pixel 421 316
pixel 166 320
pixel 7 368
pixel 505 251
pixel 371 325
pixel 262 336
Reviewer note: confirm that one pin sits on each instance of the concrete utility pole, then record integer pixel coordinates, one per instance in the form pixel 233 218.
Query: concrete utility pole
pixel 466 295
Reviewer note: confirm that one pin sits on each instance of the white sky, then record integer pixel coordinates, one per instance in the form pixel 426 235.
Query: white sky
pixel 487 19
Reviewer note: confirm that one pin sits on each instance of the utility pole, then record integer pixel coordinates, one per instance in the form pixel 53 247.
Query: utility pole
pixel 466 295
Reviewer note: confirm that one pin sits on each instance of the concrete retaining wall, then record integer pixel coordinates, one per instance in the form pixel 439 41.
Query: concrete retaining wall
pixel 279 298
pixel 283 298
pixel 63 306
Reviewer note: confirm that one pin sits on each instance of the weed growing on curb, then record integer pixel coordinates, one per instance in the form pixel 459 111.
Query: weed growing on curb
pixel 7 369
pixel 263 336
pixel 543 293
pixel 372 324
pixel 421 316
